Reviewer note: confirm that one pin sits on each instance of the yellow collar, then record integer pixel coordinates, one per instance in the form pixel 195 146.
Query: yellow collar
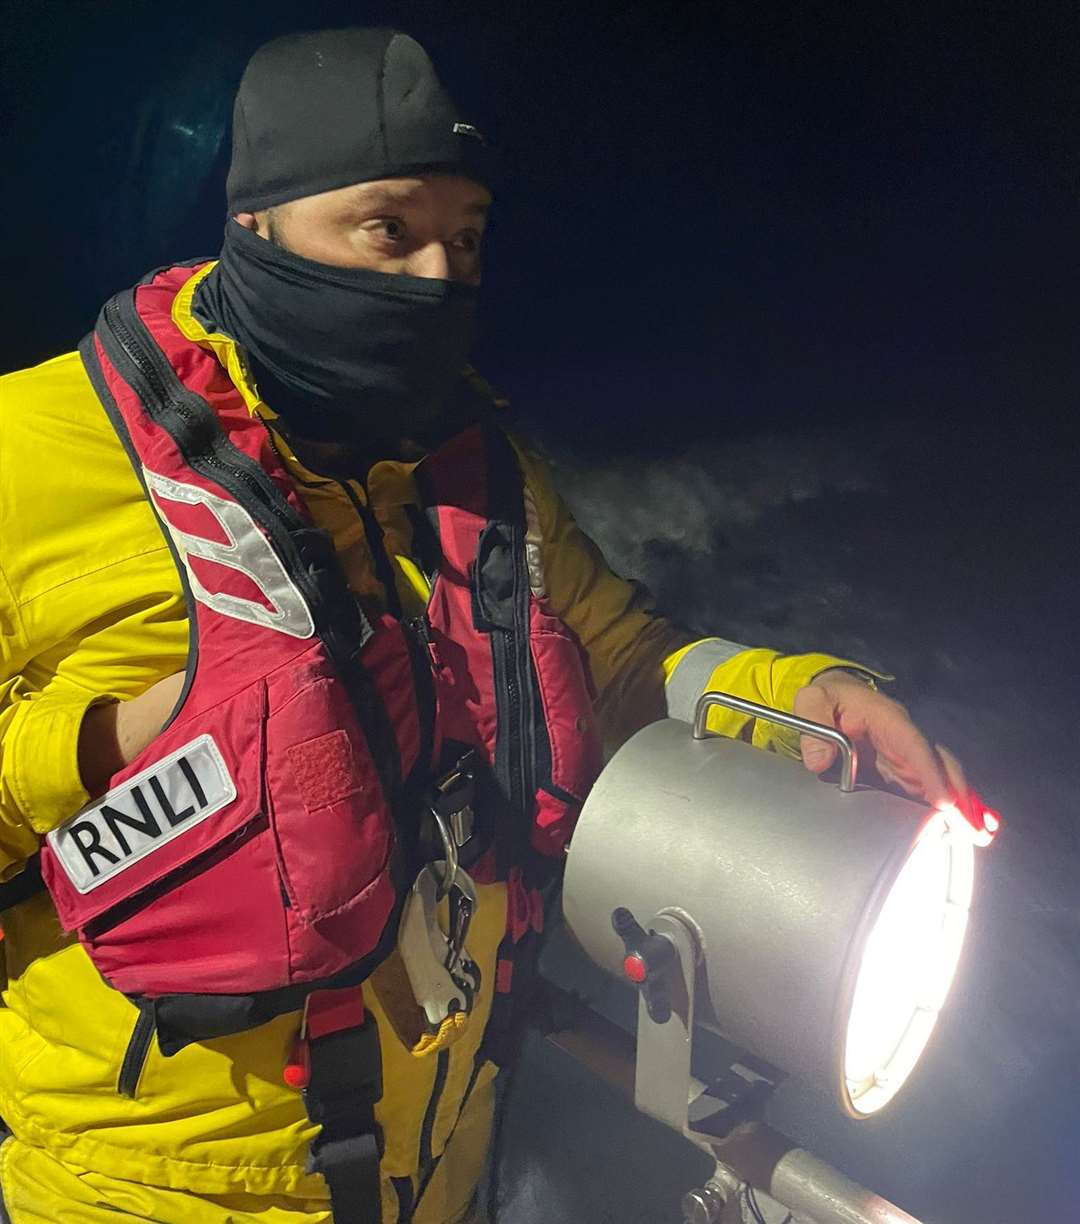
pixel 225 348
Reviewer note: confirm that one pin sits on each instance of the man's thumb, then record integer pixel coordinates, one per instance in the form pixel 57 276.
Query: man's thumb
pixel 814 703
pixel 817 755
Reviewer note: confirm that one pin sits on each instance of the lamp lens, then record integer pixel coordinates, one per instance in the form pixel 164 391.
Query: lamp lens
pixel 908 964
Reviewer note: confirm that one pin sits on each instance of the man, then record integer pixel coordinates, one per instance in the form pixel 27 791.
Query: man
pixel 277 471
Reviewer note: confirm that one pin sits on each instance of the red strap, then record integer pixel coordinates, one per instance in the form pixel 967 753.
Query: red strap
pixel 331 1011
pixel 504 976
pixel 326 1012
pixel 517 905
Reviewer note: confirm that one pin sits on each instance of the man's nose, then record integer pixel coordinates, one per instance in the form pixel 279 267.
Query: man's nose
pixel 431 261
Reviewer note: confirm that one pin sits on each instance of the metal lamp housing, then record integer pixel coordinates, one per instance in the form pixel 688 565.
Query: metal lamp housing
pixel 827 924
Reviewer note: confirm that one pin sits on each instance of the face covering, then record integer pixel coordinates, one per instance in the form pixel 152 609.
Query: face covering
pixel 342 354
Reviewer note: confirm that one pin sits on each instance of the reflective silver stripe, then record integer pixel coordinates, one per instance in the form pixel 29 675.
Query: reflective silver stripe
pixel 691 675
pixel 247 550
pixel 534 547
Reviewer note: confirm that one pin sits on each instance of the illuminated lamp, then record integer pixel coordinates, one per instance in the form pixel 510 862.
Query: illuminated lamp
pixel 817 926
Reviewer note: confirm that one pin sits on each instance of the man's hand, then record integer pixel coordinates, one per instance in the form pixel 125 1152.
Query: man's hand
pixel 901 753
pixel 112 735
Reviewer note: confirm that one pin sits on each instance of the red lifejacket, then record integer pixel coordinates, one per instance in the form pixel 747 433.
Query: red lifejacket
pixel 261 846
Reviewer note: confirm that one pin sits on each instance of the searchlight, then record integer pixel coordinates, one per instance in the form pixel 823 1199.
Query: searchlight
pixel 816 926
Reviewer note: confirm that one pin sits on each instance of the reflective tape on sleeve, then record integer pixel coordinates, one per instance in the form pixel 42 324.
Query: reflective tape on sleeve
pixel 693 672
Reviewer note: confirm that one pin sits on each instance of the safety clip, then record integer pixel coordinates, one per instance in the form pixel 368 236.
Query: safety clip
pixel 443 977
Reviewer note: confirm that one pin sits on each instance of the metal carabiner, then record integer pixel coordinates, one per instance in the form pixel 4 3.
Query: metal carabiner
pixel 450 852
pixel 462 908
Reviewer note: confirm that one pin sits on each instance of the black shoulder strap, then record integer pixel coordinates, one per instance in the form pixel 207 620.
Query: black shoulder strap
pixel 345 1085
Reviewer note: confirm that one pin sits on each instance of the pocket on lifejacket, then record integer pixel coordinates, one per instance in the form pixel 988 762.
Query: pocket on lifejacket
pixel 566 772
pixel 329 816
pixel 175 840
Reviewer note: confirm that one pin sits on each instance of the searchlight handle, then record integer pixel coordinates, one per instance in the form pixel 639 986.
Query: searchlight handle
pixel 848 754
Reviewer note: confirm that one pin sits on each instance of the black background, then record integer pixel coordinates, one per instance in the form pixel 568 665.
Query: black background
pixel 744 213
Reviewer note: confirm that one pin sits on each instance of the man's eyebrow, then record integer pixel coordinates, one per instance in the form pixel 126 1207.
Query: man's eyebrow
pixel 366 196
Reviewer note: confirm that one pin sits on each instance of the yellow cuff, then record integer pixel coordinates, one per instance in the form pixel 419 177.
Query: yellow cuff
pixel 770 679
pixel 43 748
pixel 793 672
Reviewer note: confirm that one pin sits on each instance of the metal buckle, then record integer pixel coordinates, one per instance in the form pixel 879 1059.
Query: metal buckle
pixel 462 822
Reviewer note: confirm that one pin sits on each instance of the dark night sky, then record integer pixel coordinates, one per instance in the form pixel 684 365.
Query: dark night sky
pixel 816 260
pixel 756 213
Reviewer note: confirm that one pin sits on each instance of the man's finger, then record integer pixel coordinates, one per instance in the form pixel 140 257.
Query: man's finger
pixel 954 772
pixel 814 702
pixel 902 753
pixel 906 755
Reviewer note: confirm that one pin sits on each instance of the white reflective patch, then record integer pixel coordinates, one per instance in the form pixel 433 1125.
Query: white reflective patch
pixel 534 547
pixel 137 818
pixel 248 551
pixel 692 675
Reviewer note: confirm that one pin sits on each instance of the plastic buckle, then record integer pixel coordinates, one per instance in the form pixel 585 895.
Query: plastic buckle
pixel 455 794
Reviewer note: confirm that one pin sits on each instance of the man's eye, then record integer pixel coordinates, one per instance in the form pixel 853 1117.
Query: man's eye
pixel 468 241
pixel 391 228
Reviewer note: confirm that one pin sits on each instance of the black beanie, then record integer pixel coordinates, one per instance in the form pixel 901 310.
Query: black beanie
pixel 325 109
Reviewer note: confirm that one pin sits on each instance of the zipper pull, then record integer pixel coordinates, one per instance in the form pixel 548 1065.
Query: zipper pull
pixel 297 1071
pixel 422 626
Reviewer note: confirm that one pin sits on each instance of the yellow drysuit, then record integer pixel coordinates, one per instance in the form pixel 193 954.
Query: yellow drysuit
pixel 91 609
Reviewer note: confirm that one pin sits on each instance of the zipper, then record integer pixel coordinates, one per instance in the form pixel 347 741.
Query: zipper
pixel 138 1048
pixel 133 351
pixel 511 657
pixel 153 373
pixel 418 641
pixel 519 688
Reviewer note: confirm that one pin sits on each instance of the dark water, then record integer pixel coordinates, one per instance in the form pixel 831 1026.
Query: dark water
pixel 890 545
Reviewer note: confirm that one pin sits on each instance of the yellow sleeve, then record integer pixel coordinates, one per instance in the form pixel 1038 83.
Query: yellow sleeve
pixel 91 607
pixel 92 640
pixel 624 640
pixel 645 668
pixel 764 676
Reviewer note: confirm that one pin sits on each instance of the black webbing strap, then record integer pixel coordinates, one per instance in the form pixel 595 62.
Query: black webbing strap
pixel 346 1082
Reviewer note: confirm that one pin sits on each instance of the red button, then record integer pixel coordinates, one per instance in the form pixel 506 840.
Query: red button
pixel 297 1071
pixel 635 968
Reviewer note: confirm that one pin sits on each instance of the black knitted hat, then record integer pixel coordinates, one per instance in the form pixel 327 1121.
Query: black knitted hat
pixel 325 109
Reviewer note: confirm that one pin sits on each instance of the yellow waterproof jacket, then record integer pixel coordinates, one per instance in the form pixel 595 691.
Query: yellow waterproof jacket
pixel 91 609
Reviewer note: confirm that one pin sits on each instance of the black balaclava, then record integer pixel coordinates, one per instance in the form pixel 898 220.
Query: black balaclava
pixel 343 354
